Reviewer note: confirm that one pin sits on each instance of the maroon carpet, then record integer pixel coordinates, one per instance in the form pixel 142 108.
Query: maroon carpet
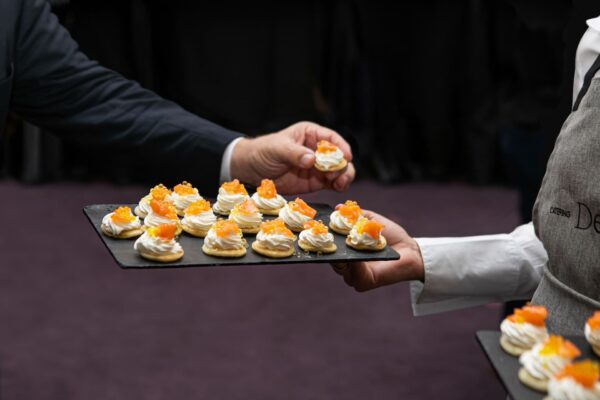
pixel 73 325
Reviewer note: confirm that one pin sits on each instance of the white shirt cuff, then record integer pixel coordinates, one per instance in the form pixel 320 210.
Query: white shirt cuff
pixel 469 271
pixel 225 175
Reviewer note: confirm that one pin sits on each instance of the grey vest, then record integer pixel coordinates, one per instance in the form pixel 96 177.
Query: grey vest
pixel 567 217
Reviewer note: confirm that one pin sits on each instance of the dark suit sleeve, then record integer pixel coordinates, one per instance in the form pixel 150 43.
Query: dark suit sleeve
pixel 56 86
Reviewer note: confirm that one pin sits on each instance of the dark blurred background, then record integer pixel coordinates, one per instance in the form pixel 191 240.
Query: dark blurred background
pixel 452 108
pixel 436 90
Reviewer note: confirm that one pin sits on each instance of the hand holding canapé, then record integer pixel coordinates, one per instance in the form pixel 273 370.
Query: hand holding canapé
pixel 288 158
pixel 365 276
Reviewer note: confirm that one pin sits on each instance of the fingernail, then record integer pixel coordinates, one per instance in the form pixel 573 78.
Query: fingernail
pixel 306 160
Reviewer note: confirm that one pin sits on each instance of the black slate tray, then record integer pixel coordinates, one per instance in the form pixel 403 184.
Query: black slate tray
pixel 127 257
pixel 507 366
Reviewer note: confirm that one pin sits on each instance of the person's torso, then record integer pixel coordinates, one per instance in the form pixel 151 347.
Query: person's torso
pixel 567 218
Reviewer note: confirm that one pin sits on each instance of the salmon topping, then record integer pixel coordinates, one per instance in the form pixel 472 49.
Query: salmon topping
pixel 165 232
pixel 246 207
pixel 275 226
pixel 159 192
pixel 316 227
pixel 594 321
pixel 301 207
pixel 556 345
pixel 586 373
pixel 234 187
pixel 267 189
pixel 122 215
pixel 184 189
pixel 369 227
pixel 535 315
pixel 198 207
pixel 225 227
pixel 350 210
pixel 326 147
pixel 163 208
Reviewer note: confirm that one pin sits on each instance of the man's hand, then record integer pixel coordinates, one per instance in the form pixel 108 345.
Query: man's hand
pixel 287 157
pixel 365 276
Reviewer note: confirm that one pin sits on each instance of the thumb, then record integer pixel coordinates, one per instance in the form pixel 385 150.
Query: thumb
pixel 296 155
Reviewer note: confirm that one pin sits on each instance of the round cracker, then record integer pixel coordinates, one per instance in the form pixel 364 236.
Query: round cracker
pixel 308 247
pixel 165 258
pixel 596 350
pixel 531 382
pixel 335 168
pixel 379 247
pixel 194 232
pixel 128 234
pixel 256 246
pixel 138 211
pixel 337 230
pixel 217 210
pixel 234 253
pixel 273 211
pixel 511 348
pixel 248 231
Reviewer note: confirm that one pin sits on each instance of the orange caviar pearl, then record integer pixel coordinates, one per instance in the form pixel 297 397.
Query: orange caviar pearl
pixel 316 227
pixel 159 192
pixel 246 207
pixel 267 189
pixel 586 373
pixel 535 315
pixel 198 207
pixel 326 147
pixel 234 187
pixel 300 206
pixel 123 215
pixel 275 226
pixel 163 208
pixel 225 227
pixel 184 189
pixel 350 210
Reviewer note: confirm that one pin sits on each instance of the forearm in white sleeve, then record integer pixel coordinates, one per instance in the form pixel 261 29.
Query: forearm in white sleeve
pixel 469 271
pixel 225 174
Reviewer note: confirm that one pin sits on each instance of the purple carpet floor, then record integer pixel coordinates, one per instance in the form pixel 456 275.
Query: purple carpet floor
pixel 73 325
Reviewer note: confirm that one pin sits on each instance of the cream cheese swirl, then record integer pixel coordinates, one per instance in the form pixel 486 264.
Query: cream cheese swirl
pixel 542 367
pixel 364 239
pixel 329 159
pixel 231 242
pixel 183 202
pixel 153 219
pixel 202 221
pixel 592 335
pixel 340 222
pixel 319 241
pixel 154 245
pixel 523 335
pixel 144 205
pixel 569 389
pixel 275 241
pixel 117 228
pixel 226 201
pixel 293 219
pixel 246 221
pixel 268 204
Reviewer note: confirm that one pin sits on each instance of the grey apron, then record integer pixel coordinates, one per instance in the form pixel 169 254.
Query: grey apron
pixel 566 216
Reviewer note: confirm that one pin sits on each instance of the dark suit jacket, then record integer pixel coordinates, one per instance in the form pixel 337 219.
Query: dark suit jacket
pixel 45 79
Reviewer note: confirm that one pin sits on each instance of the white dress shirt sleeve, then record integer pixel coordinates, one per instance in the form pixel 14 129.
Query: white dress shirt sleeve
pixel 470 271
pixel 225 174
pixel 587 52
